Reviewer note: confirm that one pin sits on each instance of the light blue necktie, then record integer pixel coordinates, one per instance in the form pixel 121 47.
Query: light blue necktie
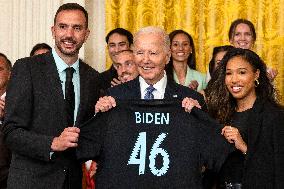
pixel 149 94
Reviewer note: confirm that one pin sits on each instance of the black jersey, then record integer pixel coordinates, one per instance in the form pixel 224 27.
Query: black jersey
pixel 151 144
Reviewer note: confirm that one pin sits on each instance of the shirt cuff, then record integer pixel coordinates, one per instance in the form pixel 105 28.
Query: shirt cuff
pixel 50 155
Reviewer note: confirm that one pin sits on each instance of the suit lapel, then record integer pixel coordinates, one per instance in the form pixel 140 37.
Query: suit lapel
pixel 171 90
pixel 134 89
pixel 83 91
pixel 254 127
pixel 54 84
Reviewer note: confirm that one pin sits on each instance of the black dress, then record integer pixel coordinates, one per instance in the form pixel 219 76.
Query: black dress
pixel 232 169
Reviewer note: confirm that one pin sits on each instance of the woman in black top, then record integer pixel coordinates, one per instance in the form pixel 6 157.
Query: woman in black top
pixel 241 97
pixel 231 172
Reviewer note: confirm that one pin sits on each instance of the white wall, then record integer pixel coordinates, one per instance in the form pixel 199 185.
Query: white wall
pixel 25 23
pixel 95 46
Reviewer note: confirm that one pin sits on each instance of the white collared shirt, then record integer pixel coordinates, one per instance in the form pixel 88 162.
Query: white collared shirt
pixel 160 87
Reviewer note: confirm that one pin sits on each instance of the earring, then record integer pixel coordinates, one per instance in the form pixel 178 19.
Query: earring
pixel 256 83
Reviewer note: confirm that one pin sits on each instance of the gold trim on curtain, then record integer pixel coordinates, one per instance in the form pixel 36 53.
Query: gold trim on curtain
pixel 208 22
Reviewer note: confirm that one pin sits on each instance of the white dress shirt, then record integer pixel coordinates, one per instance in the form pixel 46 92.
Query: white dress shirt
pixel 160 87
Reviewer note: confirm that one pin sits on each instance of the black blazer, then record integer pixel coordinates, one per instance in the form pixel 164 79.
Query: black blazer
pixel 107 76
pixel 131 90
pixel 264 167
pixel 35 114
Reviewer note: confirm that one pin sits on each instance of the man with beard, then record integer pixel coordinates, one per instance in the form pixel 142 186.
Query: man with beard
pixel 47 97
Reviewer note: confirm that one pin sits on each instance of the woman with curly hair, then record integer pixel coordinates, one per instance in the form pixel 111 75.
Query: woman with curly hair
pixel 241 96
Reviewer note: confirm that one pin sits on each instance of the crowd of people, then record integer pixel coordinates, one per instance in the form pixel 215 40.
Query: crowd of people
pixel 47 97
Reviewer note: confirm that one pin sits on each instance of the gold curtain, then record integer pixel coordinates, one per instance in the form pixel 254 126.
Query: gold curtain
pixel 208 22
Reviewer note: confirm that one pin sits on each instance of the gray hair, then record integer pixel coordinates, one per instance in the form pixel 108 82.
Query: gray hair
pixel 154 30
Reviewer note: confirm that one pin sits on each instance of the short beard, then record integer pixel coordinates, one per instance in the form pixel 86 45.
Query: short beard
pixel 68 53
pixel 72 53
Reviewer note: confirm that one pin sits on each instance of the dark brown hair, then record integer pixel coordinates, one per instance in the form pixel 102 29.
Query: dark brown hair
pixel 234 25
pixel 40 46
pixel 121 31
pixel 217 50
pixel 72 6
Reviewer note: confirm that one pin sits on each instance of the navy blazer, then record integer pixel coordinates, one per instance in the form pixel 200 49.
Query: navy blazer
pixel 35 114
pixel 131 90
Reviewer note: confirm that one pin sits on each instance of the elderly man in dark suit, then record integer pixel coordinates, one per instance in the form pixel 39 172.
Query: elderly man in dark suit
pixel 151 54
pixel 48 96
pixel 5 154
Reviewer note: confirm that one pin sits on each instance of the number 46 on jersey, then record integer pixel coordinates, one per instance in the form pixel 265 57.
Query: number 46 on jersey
pixel 138 155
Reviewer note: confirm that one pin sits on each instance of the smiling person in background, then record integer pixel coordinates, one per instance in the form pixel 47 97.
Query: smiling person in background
pixel 182 65
pixel 125 66
pixel 242 35
pixel 118 39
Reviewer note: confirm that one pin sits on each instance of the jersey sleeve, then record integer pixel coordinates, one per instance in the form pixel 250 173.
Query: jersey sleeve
pixel 91 137
pixel 214 147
